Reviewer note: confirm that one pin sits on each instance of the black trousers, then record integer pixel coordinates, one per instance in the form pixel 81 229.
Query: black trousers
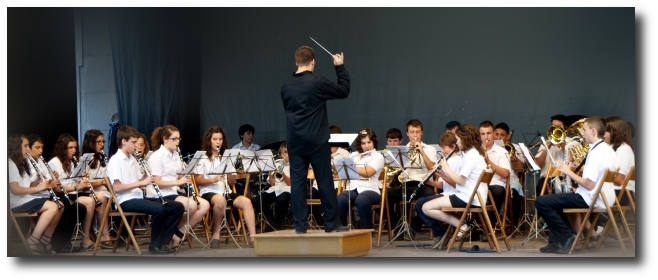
pixel 164 217
pixel 498 194
pixel 550 208
pixel 320 159
pixel 275 216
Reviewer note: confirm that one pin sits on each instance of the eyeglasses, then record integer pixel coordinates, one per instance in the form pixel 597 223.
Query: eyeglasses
pixel 175 138
pixel 100 142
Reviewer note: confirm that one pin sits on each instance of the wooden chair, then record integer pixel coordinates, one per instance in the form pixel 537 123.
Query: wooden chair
pixel 124 222
pixel 621 210
pixel 32 218
pixel 205 220
pixel 481 212
pixel 383 209
pixel 238 225
pixel 608 177
pixel 506 215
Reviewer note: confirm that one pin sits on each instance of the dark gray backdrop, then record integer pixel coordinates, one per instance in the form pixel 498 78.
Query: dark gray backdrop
pixel 513 65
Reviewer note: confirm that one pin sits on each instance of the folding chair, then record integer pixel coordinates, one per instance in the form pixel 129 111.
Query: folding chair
pixel 608 177
pixel 621 210
pixel 124 222
pixel 32 218
pixel 239 224
pixel 481 212
pixel 383 209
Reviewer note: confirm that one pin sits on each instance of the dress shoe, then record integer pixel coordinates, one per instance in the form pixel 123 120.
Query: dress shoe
pixel 566 245
pixel 166 248
pixel 550 248
pixel 300 231
pixel 156 250
pixel 339 229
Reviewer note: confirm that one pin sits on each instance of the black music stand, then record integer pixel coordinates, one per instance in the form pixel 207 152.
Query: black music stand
pixel 225 167
pixel 77 172
pixel 532 168
pixel 263 161
pixel 399 157
pixel 346 169
pixel 189 171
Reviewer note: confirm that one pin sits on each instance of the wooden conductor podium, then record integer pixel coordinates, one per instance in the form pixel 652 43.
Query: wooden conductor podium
pixel 314 243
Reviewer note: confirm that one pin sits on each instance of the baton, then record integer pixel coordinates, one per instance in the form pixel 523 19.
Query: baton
pixel 321 46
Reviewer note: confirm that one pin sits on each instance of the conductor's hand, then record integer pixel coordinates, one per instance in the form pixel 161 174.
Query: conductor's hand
pixel 338 59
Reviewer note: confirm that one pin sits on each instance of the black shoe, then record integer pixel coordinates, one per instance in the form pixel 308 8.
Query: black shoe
pixel 166 248
pixel 566 245
pixel 550 248
pixel 338 229
pixel 300 231
pixel 157 250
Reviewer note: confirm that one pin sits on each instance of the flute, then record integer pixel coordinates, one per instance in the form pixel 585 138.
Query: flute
pixel 53 196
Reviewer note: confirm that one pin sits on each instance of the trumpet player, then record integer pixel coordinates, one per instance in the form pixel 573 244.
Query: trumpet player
pixel 63 163
pixel 423 155
pixel 165 164
pixel 278 194
pixel 128 181
pixel 94 142
pixel 363 191
pixel 25 195
pixel 556 151
pixel 216 188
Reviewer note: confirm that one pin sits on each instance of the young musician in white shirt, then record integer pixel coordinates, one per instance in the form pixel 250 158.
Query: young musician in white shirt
pixel 24 195
pixel 62 163
pixel 165 164
pixel 246 132
pixel 364 191
pixel 94 142
pixel 618 136
pixel 216 188
pixel 128 182
pixel 279 192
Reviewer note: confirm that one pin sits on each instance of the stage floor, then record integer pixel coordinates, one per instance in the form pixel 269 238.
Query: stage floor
pixel 396 249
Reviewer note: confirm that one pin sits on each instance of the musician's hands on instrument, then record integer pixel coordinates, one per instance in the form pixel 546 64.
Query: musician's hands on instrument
pixel 338 59
pixel 83 184
pixel 148 180
pixel 220 178
pixel 185 180
pixel 565 169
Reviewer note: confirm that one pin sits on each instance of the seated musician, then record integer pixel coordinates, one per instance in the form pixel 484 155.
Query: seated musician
pixel 618 136
pixel 363 191
pixel 501 132
pixel 393 138
pixel 165 164
pixel 63 163
pixel 94 142
pixel 128 183
pixel 465 177
pixel 31 196
pixel 448 144
pixel 216 188
pixel 542 158
pixel 497 159
pixel 550 207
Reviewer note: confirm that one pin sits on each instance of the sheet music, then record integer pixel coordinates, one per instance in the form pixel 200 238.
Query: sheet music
pixel 266 160
pixel 226 164
pixel 346 168
pixel 82 165
pixel 343 138
pixel 194 162
pixel 437 147
pixel 249 165
pixel 401 153
pixel 528 157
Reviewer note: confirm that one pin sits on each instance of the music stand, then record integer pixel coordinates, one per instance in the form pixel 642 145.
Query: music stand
pixel 346 169
pixel 78 172
pixel 188 171
pixel 532 168
pixel 264 162
pixel 225 167
pixel 399 156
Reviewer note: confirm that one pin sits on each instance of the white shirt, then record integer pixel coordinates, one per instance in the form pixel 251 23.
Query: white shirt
pixel 95 175
pixel 207 167
pixel 23 182
pixel 499 156
pixel 454 162
pixel 557 155
pixel 373 159
pixel 56 165
pixel 598 159
pixel 35 179
pixel 253 147
pixel 167 165
pixel 340 152
pixel 417 174
pixel 472 164
pixel 281 187
pixel 626 159
pixel 125 169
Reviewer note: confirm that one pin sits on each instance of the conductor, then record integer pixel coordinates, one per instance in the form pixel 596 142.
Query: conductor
pixel 304 97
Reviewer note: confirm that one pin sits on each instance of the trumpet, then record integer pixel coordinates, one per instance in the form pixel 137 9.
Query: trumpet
pixel 139 158
pixel 53 196
pixel 188 187
pixel 278 175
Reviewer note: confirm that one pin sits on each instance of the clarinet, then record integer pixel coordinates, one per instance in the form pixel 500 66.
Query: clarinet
pixel 52 174
pixel 430 174
pixel 91 188
pixel 53 196
pixel 138 155
pixel 188 187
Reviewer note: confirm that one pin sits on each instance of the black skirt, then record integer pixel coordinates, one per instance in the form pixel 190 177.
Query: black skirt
pixel 31 206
